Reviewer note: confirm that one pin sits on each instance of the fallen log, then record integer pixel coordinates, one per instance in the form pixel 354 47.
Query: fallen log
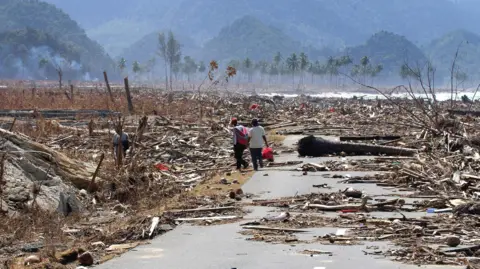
pixel 317 147
pixel 464 112
pixel 367 138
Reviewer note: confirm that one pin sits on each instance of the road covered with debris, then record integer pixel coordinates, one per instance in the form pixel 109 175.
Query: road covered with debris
pixel 385 183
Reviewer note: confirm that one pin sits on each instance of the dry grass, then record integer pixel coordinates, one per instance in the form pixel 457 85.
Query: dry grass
pixel 212 187
pixel 276 139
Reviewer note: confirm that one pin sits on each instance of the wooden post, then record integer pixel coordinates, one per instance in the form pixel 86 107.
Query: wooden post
pixel 91 187
pixel 2 181
pixel 129 98
pixel 108 86
pixel 71 92
pixel 13 124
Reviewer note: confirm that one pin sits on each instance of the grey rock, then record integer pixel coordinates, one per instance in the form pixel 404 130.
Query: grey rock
pixel 85 258
pixel 68 204
pixel 120 208
pixel 32 247
pixel 453 241
pixel 165 227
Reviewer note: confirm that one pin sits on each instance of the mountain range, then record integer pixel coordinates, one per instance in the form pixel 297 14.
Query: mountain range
pixel 32 26
pixel 320 23
pixel 387 31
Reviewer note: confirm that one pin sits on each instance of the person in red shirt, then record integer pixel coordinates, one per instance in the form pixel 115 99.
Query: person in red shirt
pixel 240 143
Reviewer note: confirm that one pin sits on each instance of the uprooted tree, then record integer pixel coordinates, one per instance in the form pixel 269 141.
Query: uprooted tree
pixel 422 89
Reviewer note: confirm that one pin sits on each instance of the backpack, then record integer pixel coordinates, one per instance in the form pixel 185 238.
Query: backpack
pixel 242 135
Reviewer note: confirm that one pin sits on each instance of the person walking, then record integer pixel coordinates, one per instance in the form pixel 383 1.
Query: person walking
pixel 256 140
pixel 240 143
pixel 120 139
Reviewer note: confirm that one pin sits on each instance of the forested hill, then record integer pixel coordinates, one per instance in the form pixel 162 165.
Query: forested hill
pixel 442 53
pixel 311 22
pixel 249 37
pixel 31 23
pixel 389 50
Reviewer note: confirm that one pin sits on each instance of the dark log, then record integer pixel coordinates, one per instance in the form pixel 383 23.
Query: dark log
pixel 464 112
pixel 367 138
pixel 58 114
pixel 129 97
pixel 108 86
pixel 317 147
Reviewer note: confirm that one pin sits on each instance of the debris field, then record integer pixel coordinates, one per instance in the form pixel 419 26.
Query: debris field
pixel 66 201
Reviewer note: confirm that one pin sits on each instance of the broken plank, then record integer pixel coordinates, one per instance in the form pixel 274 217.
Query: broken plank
pixel 460 249
pixel 266 228
pixel 211 209
pixel 209 218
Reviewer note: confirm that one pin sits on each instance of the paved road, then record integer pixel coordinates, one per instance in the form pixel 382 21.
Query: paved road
pixel 223 247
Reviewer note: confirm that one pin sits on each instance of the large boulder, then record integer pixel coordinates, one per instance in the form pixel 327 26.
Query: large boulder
pixel 32 169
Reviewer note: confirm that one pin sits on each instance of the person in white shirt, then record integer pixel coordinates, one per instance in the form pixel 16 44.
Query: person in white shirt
pixel 256 141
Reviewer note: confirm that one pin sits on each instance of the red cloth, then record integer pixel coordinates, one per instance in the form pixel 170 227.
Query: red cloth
pixel 267 154
pixel 254 106
pixel 161 167
pixel 332 109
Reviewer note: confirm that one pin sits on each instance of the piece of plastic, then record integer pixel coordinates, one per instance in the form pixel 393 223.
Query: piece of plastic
pixel 431 210
pixel 254 106
pixel 267 154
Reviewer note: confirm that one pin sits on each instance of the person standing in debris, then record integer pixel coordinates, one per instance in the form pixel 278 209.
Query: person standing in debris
pixel 256 140
pixel 123 140
pixel 240 143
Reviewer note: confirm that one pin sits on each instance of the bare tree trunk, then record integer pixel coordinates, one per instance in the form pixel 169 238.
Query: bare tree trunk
pixel 171 76
pixel 166 76
pixel 452 74
pixel 129 98
pixel 108 86
pixel 71 92
pixel 60 77
pixel 91 186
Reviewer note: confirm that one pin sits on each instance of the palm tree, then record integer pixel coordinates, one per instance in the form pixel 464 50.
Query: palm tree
pixel 248 64
pixel 375 71
pixel 303 65
pixel 122 64
pixel 332 68
pixel 277 59
pixel 293 64
pixel 343 62
pixel 365 64
pixel 262 67
pixel 151 66
pixel 189 66
pixel 136 68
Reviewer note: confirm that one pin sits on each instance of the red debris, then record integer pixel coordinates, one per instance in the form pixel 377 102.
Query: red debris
pixel 161 167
